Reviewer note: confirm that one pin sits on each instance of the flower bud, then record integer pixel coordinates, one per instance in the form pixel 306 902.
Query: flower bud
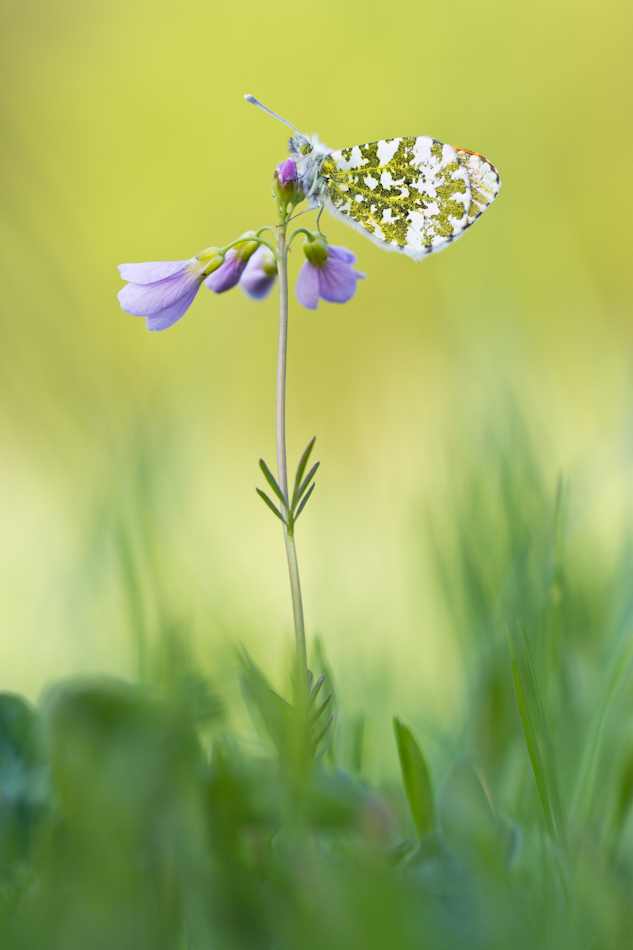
pixel 213 258
pixel 246 248
pixel 286 183
pixel 316 250
pixel 269 264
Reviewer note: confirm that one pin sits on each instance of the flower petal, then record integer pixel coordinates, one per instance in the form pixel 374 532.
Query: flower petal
pixel 151 271
pixel 337 281
pixel 307 286
pixel 228 274
pixel 170 315
pixel 341 254
pixel 255 282
pixel 143 300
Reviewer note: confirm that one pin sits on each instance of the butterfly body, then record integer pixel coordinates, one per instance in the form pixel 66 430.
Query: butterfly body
pixel 411 195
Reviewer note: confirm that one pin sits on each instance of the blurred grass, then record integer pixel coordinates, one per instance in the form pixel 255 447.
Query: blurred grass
pixel 129 460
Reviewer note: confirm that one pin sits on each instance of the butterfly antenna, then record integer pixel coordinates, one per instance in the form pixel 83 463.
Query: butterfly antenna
pixel 255 102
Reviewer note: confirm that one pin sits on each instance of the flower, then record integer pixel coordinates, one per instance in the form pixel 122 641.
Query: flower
pixel 286 183
pixel 228 275
pixel 327 273
pixel 260 274
pixel 161 291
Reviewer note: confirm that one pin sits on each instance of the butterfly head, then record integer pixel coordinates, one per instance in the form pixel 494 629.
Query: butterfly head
pixel 308 152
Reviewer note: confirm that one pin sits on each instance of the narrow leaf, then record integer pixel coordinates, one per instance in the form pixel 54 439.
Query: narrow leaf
pixel 323 731
pixel 317 687
pixel 266 499
pixel 542 760
pixel 270 478
pixel 417 779
pixel 529 734
pixel 302 467
pixel 549 758
pixel 304 502
pixel 321 707
pixel 613 684
pixel 304 484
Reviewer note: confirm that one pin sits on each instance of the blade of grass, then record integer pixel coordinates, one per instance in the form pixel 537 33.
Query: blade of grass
pixel 417 779
pixel 543 768
pixel 615 678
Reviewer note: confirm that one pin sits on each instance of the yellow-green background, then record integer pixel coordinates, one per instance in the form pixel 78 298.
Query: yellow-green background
pixel 125 138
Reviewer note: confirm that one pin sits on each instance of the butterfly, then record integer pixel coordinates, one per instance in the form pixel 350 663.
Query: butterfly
pixel 412 195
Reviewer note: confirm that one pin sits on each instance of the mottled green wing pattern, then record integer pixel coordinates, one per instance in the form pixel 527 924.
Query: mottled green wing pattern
pixel 411 195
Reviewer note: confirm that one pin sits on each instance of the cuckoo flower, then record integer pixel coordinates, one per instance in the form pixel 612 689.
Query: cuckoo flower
pixel 286 184
pixel 259 274
pixel 161 291
pixel 327 273
pixel 228 275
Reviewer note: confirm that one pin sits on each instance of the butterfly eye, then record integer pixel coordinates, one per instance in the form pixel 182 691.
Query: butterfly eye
pixel 306 148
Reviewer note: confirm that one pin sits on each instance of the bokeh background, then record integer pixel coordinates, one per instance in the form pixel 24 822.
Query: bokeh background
pixel 444 394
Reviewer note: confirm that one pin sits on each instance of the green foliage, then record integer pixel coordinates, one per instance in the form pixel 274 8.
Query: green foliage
pixel 289 510
pixel 148 816
pixel 416 778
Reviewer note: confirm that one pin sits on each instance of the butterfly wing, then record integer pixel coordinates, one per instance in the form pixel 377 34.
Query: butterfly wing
pixel 410 195
pixel 484 182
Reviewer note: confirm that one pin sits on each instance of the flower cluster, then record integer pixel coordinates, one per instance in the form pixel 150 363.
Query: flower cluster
pixel 162 291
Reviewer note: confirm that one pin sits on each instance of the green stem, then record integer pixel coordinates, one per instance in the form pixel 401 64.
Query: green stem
pixel 243 240
pixel 282 469
pixel 297 231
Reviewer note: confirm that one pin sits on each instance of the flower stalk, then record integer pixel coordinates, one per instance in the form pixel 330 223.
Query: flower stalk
pixel 301 672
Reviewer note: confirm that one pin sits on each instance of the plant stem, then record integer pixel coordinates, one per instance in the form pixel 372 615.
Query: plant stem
pixel 282 470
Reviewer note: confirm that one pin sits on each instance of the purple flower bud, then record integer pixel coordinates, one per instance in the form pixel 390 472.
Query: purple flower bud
pixel 260 274
pixel 160 291
pixel 286 183
pixel 228 274
pixel 286 171
pixel 327 274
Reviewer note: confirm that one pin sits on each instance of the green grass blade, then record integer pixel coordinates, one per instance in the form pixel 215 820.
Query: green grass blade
pixel 417 779
pixel 304 484
pixel 529 733
pixel 615 679
pixel 549 759
pixel 542 761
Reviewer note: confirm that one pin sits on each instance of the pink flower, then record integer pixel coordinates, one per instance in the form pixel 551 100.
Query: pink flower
pixel 327 274
pixel 286 183
pixel 259 274
pixel 228 275
pixel 161 291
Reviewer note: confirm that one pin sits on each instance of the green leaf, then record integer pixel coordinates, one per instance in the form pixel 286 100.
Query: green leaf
pixel 303 503
pixel 323 705
pixel 323 731
pixel 613 684
pixel 541 756
pixel 529 733
pixel 317 687
pixel 417 779
pixel 270 478
pixel 267 500
pixel 274 712
pixel 301 468
pixel 304 484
